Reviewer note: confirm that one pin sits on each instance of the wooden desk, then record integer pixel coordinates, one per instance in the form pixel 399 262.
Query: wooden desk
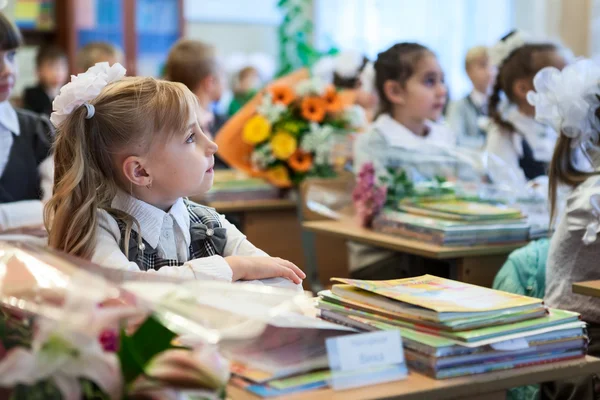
pixel 589 288
pixel 271 225
pixel 472 264
pixel 490 386
pixel 253 205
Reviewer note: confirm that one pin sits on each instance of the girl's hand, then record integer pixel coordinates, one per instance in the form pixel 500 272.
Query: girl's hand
pixel 253 268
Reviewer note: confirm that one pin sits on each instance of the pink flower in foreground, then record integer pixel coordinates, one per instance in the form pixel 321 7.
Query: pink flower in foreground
pixel 368 197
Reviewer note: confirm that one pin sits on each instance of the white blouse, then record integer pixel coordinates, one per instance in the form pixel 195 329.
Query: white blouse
pixel 169 233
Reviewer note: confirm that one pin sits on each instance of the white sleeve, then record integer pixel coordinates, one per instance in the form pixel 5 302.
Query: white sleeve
pixel 21 214
pixel 503 160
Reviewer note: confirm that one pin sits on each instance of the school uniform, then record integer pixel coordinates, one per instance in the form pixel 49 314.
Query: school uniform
pixel 26 168
pixel 189 241
pixel 36 99
pixel 385 144
pixel 519 156
pixel 466 117
pixel 570 261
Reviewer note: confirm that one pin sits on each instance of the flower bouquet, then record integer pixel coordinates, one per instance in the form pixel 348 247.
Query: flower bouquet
pixel 289 132
pixel 69 334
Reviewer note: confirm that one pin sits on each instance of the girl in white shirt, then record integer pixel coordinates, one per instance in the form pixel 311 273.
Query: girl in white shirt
pixel 412 93
pixel 520 148
pixel 128 152
pixel 25 163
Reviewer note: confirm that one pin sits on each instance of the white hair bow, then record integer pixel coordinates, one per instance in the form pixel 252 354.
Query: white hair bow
pixel 501 50
pixel 567 100
pixel 84 88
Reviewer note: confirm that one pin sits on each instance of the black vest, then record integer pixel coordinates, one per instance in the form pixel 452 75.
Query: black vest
pixel 20 179
pixel 208 238
pixel 531 167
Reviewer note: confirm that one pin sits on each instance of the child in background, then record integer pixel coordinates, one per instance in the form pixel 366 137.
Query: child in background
pixel 195 64
pixel 246 85
pixel 412 93
pixel 95 52
pixel 522 145
pixel 465 115
pixel 26 170
pixel 568 101
pixel 52 72
pixel 127 156
pixel 350 71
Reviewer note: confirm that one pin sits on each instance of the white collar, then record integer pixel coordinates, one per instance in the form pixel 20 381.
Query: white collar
pixel 478 98
pixel 524 123
pixel 397 135
pixel 8 118
pixel 151 218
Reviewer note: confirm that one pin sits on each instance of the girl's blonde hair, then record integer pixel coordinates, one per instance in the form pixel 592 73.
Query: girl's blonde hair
pixel 130 115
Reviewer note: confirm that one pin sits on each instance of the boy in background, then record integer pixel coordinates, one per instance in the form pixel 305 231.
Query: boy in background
pixel 52 72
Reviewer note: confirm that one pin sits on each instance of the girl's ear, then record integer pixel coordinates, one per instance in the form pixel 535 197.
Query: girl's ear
pixel 134 171
pixel 521 87
pixel 394 92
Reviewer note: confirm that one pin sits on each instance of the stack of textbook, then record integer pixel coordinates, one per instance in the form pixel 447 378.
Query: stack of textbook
pixel 454 222
pixel 454 329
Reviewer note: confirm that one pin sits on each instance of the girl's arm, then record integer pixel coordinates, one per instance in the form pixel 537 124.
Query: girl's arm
pixel 20 214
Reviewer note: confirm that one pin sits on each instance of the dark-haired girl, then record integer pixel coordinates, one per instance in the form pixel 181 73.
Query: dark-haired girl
pixel 26 170
pixel 412 94
pixel 521 146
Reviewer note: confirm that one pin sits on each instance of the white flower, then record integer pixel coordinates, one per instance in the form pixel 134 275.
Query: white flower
pixel 319 142
pixel 356 117
pixel 84 88
pixel 566 100
pixel 501 50
pixel 262 157
pixel 271 111
pixel 63 356
pixel 312 86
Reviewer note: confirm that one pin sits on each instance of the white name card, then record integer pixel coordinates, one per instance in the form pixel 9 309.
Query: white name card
pixel 365 350
pixel 365 359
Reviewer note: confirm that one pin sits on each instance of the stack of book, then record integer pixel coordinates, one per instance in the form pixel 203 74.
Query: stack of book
pixel 230 185
pixel 283 360
pixel 454 329
pixel 453 222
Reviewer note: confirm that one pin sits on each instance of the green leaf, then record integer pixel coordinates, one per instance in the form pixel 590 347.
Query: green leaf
pixel 150 339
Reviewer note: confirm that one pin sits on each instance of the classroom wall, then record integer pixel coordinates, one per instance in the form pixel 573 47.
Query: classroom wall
pixel 236 37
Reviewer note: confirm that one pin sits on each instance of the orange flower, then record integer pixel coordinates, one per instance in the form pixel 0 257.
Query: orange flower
pixel 334 102
pixel 314 108
pixel 282 94
pixel 279 176
pixel 301 161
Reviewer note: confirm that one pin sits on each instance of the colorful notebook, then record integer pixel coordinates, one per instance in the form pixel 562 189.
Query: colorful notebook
pixel 443 295
pixel 457 209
